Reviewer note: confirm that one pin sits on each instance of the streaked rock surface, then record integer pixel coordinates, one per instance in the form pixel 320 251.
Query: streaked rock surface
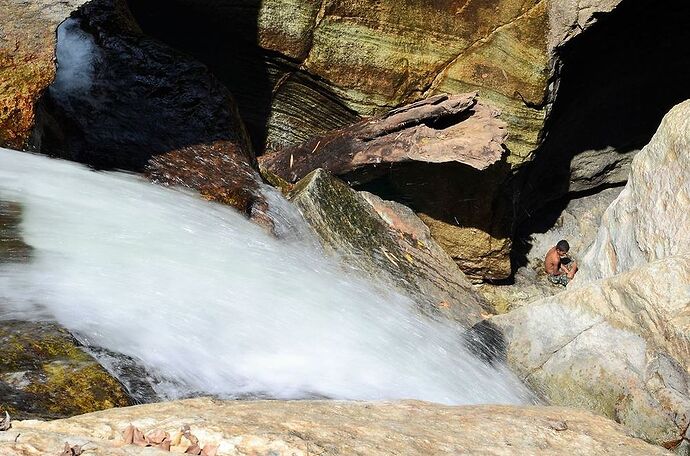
pixel 331 427
pixel 386 240
pixel 650 219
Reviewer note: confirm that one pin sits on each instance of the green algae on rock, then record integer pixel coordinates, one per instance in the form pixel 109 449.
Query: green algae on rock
pixel 44 373
pixel 387 240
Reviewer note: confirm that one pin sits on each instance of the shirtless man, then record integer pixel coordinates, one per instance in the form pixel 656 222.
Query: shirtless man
pixel 559 267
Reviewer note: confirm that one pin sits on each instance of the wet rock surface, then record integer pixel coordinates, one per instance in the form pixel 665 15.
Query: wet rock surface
pixel 385 239
pixel 333 427
pixel 44 373
pixel 27 49
pixel 136 104
pixel 618 347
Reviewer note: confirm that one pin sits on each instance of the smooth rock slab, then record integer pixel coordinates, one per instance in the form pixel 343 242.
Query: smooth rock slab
pixel 387 240
pixel 303 428
pixel 650 219
pixel 619 347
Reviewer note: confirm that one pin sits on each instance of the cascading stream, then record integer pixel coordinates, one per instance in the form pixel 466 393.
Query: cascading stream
pixel 210 304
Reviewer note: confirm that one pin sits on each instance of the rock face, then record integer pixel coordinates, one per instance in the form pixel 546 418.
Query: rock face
pixel 419 154
pixel 27 49
pixel 386 240
pixel 312 65
pixel 124 101
pixel 650 219
pixel 618 347
pixel 307 427
pixel 43 373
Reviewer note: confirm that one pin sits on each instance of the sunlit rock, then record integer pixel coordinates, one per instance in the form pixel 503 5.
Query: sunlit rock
pixel 304 427
pixel 27 50
pixel 650 220
pixel 618 347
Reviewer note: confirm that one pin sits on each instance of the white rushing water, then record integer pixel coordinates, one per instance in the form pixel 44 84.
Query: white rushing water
pixel 207 300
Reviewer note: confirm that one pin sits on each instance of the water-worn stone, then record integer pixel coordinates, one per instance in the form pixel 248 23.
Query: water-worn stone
pixel 619 347
pixel 27 50
pixel 650 219
pixel 386 240
pixel 44 373
pixel 301 428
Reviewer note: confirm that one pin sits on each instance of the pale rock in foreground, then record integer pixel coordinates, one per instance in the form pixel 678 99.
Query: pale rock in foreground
pixel 301 428
pixel 650 219
pixel 619 347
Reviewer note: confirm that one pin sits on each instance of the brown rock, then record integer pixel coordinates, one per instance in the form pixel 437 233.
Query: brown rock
pixel 27 50
pixel 440 129
pixel 358 428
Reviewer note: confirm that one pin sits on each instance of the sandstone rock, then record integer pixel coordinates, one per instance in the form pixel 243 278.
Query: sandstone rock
pixel 440 129
pixel 27 49
pixel 317 64
pixel 650 218
pixel 619 347
pixel 421 152
pixel 386 240
pixel 44 373
pixel 359 428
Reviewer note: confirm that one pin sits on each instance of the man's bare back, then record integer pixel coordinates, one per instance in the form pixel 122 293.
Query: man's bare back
pixel 559 270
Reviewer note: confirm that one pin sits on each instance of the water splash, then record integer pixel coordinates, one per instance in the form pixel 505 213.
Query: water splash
pixel 210 303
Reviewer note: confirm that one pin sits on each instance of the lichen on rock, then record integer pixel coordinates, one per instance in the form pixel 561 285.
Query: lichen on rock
pixel 44 373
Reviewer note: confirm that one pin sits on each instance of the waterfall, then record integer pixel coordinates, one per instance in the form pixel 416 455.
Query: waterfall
pixel 209 303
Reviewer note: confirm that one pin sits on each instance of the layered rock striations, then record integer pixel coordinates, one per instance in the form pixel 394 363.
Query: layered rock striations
pixel 27 50
pixel 309 427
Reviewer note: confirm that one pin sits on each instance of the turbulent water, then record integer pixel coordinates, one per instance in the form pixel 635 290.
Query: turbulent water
pixel 209 303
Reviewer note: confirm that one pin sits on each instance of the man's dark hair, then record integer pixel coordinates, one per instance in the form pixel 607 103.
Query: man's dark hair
pixel 563 246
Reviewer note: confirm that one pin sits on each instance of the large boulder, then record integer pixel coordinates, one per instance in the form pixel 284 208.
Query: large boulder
pixel 122 100
pixel 386 240
pixel 27 51
pixel 650 219
pixel 619 347
pixel 419 154
pixel 331 427
pixel 45 373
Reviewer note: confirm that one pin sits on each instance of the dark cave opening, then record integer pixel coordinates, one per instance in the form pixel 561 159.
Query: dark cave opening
pixel 617 80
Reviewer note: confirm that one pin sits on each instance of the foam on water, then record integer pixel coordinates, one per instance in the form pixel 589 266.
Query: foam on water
pixel 207 300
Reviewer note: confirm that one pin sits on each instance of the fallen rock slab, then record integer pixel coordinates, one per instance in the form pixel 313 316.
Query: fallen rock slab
pixel 440 129
pixel 301 428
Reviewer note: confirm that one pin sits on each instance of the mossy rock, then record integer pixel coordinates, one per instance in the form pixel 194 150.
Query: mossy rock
pixel 45 374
